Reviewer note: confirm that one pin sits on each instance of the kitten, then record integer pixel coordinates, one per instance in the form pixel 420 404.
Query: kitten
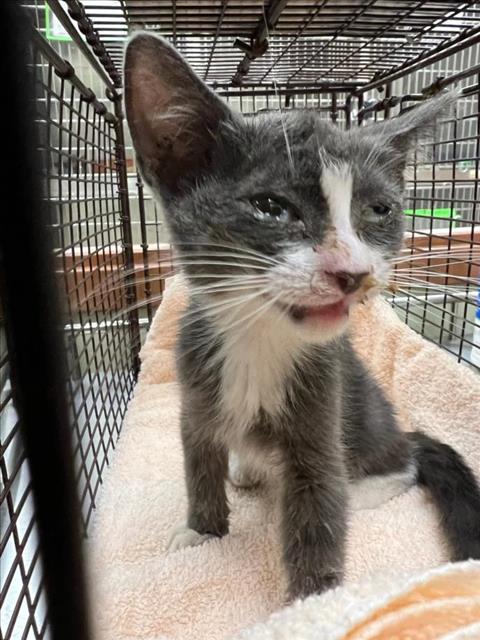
pixel 282 223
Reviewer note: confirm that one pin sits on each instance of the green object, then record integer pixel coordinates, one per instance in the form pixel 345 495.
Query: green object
pixel 435 213
pixel 53 28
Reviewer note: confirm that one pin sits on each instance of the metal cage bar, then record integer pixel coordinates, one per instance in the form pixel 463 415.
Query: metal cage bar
pixel 46 559
pixel 240 42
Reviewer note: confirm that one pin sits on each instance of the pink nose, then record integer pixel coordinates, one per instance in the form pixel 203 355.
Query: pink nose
pixel 348 282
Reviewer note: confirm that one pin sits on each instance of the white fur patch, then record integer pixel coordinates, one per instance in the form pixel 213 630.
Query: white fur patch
pixel 373 491
pixel 185 537
pixel 345 250
pixel 256 362
pixel 336 182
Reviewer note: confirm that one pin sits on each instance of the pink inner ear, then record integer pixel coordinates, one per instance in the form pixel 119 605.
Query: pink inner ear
pixel 173 116
pixel 145 102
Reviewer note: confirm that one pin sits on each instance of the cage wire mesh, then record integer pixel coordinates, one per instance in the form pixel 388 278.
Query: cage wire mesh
pixel 83 160
pixel 111 244
pixel 439 298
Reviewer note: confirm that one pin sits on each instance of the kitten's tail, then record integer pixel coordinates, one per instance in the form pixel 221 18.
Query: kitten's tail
pixel 455 492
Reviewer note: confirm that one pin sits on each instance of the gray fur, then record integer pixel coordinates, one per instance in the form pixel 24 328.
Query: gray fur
pixel 323 422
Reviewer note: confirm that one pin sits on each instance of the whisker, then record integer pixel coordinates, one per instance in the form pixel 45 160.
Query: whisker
pixel 284 128
pixel 445 290
pixel 226 289
pixel 170 259
pixel 265 308
pixel 446 253
pixel 211 306
pixel 224 254
pixel 435 274
pixel 122 278
pixel 421 249
pixel 424 282
pixel 219 263
pixel 269 303
pixel 229 246
pixel 429 262
pixel 102 292
pixel 441 290
pixel 232 301
pixel 211 311
pixel 232 278
pixel 137 305
pixel 243 300
pixel 428 276
pixel 277 95
pixel 450 263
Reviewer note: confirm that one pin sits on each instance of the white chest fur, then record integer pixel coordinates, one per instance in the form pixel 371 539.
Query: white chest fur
pixel 256 364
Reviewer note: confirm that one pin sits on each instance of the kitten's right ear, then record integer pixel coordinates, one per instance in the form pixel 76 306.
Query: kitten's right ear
pixel 173 116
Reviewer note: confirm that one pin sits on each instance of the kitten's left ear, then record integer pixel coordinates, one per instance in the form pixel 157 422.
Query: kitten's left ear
pixel 406 130
pixel 173 116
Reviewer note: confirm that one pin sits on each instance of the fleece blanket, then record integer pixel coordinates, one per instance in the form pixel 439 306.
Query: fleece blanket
pixel 219 589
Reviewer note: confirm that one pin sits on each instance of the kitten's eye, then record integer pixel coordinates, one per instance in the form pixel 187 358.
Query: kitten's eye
pixel 267 208
pixel 377 212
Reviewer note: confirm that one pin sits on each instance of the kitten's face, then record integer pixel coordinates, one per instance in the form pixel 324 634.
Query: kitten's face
pixel 313 226
pixel 282 215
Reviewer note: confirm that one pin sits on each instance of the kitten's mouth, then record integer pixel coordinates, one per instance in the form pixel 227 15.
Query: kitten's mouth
pixel 331 313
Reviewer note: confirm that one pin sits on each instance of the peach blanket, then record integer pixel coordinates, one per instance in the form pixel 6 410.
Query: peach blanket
pixel 217 590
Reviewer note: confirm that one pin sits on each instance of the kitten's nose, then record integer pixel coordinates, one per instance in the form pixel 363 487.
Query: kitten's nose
pixel 348 282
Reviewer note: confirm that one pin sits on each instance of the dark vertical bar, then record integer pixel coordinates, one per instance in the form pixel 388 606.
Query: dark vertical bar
pixel 334 113
pixel 468 282
pixel 388 95
pixel 360 107
pixel 174 22
pixel 348 112
pixel 475 220
pixel 414 198
pixel 143 233
pixel 131 294
pixel 432 201
pixel 450 230
pixel 34 334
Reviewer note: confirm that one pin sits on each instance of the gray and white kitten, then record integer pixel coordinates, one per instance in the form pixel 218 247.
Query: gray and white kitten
pixel 282 223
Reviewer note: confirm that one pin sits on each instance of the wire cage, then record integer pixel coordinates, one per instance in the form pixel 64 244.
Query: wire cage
pixel 351 61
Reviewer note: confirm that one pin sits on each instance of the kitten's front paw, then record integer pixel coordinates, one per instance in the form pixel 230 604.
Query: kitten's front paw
pixel 185 537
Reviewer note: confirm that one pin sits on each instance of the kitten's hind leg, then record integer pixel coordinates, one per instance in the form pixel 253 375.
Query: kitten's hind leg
pixel 379 455
pixel 374 490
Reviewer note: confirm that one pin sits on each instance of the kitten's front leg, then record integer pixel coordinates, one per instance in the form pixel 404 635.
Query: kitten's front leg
pixel 314 522
pixel 206 465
